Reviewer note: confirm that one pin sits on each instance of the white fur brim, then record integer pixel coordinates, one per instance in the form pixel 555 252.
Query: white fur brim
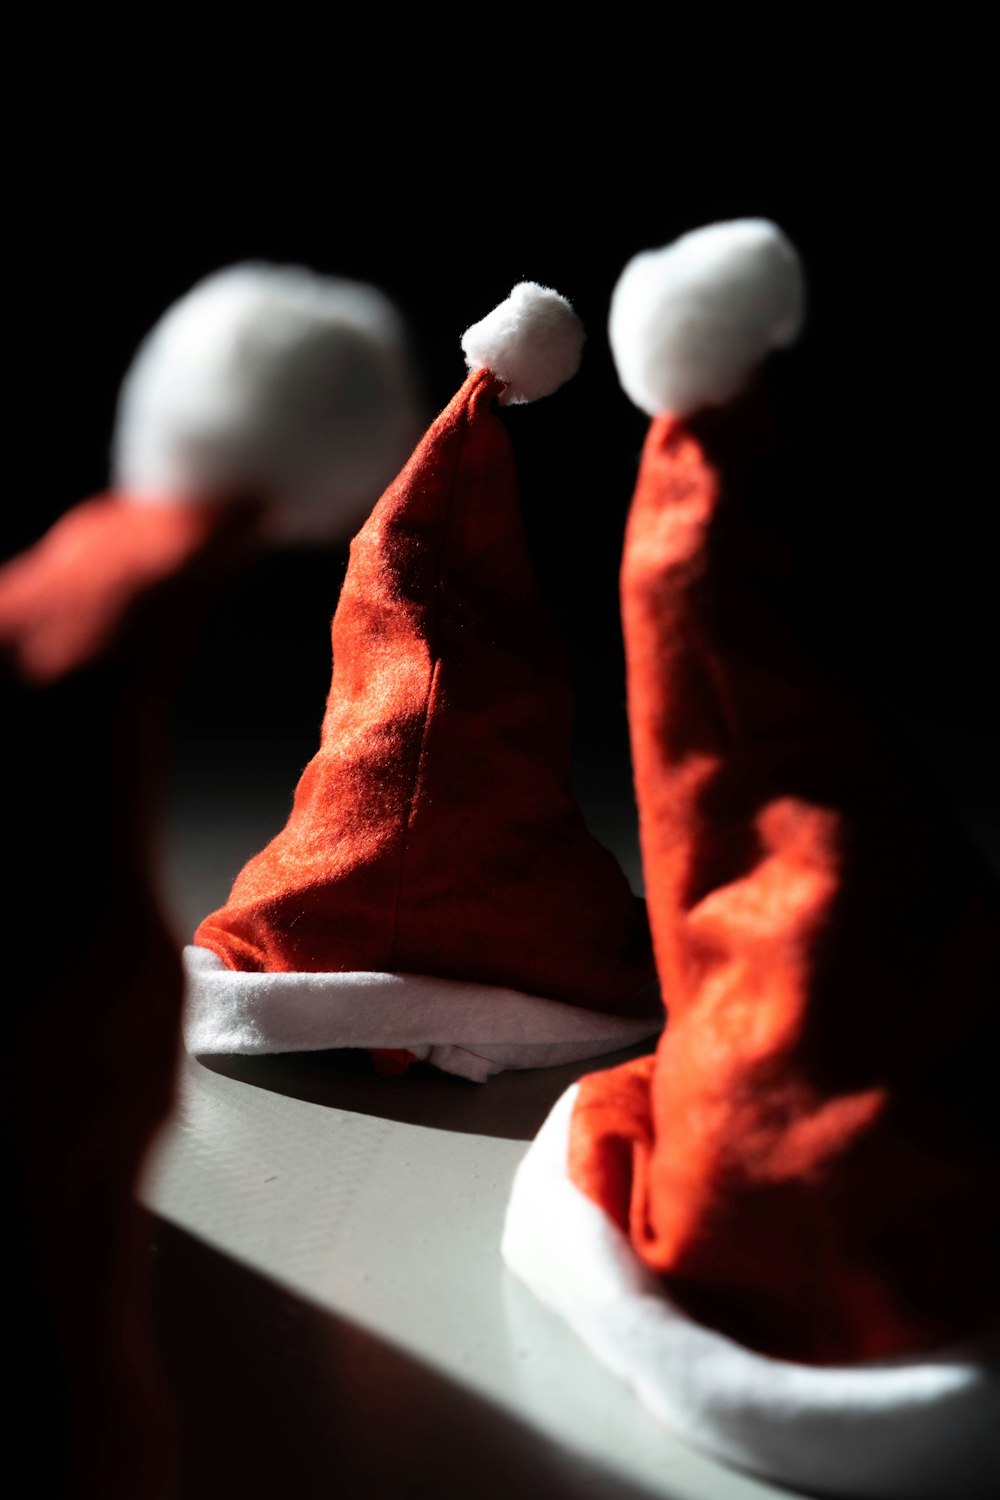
pixel 909 1429
pixel 474 1030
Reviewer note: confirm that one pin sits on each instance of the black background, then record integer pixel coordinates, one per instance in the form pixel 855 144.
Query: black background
pixel 140 160
pixel 448 192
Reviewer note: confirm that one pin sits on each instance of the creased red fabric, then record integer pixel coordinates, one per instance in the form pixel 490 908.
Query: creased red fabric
pixel 435 831
pixel 806 1161
pixel 96 623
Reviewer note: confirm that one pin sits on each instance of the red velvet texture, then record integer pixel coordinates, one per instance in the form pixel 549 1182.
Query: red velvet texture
pixel 96 623
pixel 435 831
pixel 805 1160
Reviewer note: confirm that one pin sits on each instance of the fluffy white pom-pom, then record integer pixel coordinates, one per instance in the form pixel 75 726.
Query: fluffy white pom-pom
pixel 533 341
pixel 276 383
pixel 691 322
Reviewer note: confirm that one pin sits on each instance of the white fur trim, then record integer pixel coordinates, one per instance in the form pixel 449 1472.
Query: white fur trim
pixel 690 323
pixel 905 1429
pixel 534 341
pixel 275 382
pixel 474 1030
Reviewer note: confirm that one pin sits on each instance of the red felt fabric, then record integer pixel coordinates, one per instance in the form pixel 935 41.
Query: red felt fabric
pixel 109 579
pixel 435 831
pixel 96 623
pixel 806 1160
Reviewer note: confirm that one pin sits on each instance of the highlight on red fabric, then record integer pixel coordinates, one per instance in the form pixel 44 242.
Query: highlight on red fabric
pixel 805 1161
pixel 435 832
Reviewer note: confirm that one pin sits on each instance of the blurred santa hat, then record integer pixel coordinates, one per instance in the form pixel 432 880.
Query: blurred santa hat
pixel 267 390
pixel 782 1229
pixel 269 400
pixel 435 893
pixel 276 383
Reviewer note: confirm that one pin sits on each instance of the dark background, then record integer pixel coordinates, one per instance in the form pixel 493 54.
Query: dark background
pixel 139 164
pixel 890 469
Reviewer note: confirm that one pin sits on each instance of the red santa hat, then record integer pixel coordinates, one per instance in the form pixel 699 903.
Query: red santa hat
pixel 224 433
pixel 782 1229
pixel 435 893
pixel 265 388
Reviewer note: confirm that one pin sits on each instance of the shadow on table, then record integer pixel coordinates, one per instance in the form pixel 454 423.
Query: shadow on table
pixel 277 1398
pixel 511 1106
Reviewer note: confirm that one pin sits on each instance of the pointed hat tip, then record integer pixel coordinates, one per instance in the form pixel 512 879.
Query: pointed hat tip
pixel 690 322
pixel 533 341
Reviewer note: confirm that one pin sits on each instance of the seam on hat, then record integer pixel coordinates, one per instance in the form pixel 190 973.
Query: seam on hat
pixel 433 639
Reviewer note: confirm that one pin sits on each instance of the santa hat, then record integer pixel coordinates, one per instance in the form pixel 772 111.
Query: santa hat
pixel 782 1229
pixel 265 388
pixel 435 893
pixel 224 432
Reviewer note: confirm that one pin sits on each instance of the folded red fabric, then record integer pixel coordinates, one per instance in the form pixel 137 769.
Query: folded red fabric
pixel 803 1161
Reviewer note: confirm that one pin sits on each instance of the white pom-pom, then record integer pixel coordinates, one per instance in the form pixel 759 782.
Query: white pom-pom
pixel 275 383
pixel 690 323
pixel 533 341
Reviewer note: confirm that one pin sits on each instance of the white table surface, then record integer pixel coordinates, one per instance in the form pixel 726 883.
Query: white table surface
pixel 335 1315
pixel 369 1212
